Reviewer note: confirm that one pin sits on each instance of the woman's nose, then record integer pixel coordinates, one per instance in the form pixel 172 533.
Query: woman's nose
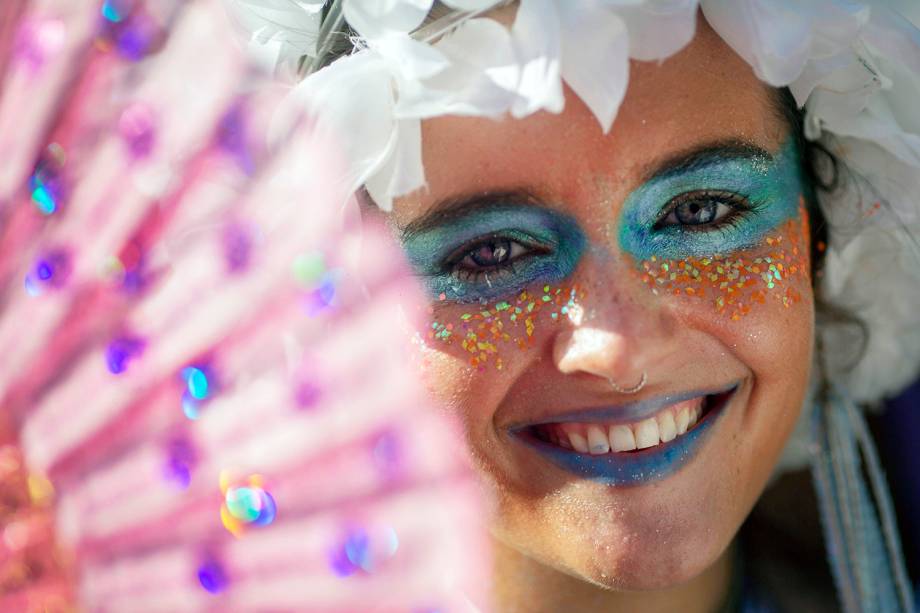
pixel 622 336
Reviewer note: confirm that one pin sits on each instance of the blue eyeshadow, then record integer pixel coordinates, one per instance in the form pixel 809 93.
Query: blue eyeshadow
pixel 773 186
pixel 558 236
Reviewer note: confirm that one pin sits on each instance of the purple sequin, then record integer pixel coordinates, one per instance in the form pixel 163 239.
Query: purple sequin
pixel 212 576
pixel 132 32
pixel 237 243
pixel 231 137
pixel 50 271
pixel 307 394
pixel 137 128
pixel 121 351
pixel 181 459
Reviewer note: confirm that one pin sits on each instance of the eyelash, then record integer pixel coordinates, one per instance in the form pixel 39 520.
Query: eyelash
pixel 740 208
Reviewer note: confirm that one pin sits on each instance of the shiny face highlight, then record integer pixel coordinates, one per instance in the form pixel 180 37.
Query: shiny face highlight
pixel 564 265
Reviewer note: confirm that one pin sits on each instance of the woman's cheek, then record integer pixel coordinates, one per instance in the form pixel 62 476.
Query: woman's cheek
pixel 729 287
pixel 498 336
pixel 759 304
pixel 472 354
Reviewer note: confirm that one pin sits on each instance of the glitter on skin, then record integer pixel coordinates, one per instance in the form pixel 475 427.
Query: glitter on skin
pixel 734 284
pixel 485 332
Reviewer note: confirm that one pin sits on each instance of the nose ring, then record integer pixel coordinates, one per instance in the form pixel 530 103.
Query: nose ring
pixel 629 390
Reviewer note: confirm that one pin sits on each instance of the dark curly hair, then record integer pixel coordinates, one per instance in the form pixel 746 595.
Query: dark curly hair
pixel 825 175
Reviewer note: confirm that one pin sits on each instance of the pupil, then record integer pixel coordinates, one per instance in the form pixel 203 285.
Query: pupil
pixel 492 253
pixel 696 212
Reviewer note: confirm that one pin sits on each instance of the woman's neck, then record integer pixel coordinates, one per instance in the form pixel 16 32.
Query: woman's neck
pixel 523 584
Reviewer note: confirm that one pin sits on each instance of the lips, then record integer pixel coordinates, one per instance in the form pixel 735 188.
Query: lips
pixel 628 444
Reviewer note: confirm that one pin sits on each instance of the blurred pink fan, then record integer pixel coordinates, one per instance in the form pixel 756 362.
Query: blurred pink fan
pixel 208 356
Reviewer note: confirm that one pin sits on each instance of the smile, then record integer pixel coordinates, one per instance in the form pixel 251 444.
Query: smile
pixel 631 444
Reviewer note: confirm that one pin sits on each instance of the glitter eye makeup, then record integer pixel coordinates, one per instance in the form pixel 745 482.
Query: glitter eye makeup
pixel 732 230
pixel 483 251
pixel 719 204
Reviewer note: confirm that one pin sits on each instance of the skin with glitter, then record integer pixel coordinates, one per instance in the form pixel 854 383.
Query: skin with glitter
pixel 507 324
pixel 734 284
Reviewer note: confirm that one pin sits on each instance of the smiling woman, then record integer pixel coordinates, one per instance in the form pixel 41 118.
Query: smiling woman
pixel 623 280
pixel 637 250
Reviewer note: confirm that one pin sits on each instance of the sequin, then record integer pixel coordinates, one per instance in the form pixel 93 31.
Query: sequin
pixel 115 10
pixel 197 382
pixel 237 243
pixel 129 30
pixel 137 129
pixel 231 137
pixel 47 181
pixel 309 268
pixel 181 459
pixel 307 394
pixel 121 352
pixel 200 385
pixel 50 271
pixel 388 454
pixel 212 577
pixel 363 548
pixel 249 504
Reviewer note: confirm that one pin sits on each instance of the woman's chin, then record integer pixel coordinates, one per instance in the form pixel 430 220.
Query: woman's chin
pixel 632 554
pixel 645 566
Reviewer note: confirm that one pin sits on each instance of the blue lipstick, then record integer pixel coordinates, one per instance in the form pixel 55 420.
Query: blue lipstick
pixel 631 467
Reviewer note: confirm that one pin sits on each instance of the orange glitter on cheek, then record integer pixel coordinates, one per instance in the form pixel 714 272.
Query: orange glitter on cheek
pixel 735 284
pixel 484 334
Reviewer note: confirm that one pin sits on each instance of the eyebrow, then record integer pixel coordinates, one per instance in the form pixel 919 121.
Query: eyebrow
pixel 700 156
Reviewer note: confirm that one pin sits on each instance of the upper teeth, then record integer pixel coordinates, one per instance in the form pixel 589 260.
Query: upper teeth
pixel 596 438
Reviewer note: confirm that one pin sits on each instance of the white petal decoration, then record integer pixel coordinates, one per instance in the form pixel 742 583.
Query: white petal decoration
pixel 894 37
pixel 408 58
pixel 777 37
pixel 751 28
pixel 595 58
pixel 353 106
pixel 381 18
pixel 657 28
pixel 537 44
pixel 401 172
pixel 480 79
pixel 855 278
pixel 279 31
pixel 471 5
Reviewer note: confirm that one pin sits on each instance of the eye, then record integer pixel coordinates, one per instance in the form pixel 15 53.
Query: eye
pixel 493 252
pixel 702 208
pixel 489 255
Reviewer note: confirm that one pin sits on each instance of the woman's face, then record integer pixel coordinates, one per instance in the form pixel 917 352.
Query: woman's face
pixel 566 266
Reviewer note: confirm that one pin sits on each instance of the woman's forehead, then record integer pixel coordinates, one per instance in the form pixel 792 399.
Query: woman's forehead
pixel 704 94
